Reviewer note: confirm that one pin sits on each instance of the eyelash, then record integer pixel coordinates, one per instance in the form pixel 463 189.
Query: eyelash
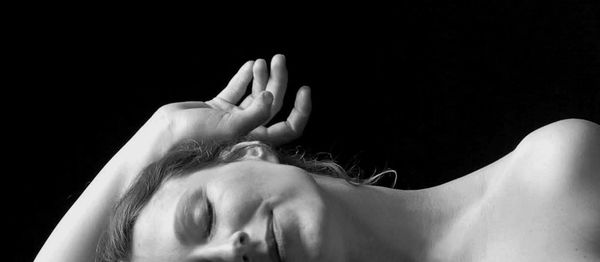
pixel 211 219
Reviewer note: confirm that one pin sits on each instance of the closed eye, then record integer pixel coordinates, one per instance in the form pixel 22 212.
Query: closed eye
pixel 211 221
pixel 194 218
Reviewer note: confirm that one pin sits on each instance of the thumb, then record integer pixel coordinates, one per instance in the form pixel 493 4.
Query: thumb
pixel 254 115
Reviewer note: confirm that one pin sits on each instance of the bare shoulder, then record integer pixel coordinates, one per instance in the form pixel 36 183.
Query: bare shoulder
pixel 563 153
pixel 556 170
pixel 566 130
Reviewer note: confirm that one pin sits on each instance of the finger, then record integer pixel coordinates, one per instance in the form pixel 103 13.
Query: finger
pixel 293 127
pixel 259 82
pixel 261 76
pixel 247 101
pixel 278 80
pixel 254 115
pixel 236 88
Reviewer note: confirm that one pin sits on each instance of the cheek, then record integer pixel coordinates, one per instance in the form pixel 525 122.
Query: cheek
pixel 240 196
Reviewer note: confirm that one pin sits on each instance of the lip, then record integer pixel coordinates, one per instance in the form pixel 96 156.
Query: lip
pixel 275 244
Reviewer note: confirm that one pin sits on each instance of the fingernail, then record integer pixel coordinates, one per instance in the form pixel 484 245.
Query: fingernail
pixel 281 58
pixel 267 96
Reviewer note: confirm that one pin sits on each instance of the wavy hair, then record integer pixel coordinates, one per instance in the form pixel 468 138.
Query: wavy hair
pixel 115 243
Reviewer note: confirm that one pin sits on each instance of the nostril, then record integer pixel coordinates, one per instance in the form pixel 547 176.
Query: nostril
pixel 243 239
pixel 241 245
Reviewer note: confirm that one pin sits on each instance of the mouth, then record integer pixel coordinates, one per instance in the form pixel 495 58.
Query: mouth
pixel 275 246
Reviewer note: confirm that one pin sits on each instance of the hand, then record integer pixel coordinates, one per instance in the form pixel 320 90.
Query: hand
pixel 222 118
pixel 76 237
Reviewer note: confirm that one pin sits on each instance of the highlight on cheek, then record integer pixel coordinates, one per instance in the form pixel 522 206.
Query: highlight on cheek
pixel 192 217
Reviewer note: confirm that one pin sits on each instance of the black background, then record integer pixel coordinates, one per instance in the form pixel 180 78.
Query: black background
pixel 432 90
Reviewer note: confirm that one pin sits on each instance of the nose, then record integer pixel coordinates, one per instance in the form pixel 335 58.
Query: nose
pixel 240 242
pixel 234 249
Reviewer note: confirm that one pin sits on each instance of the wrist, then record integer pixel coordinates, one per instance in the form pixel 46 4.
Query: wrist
pixel 150 143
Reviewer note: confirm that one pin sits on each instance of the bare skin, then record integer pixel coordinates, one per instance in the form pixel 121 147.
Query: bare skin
pixel 538 203
pixel 545 207
pixel 228 115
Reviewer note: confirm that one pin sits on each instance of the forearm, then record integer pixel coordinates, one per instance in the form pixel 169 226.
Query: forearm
pixel 76 236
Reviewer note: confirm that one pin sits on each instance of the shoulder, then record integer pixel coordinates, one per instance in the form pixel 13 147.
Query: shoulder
pixel 566 132
pixel 550 192
pixel 565 151
pixel 559 164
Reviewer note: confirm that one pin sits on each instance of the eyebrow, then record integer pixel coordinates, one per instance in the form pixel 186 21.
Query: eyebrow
pixel 188 214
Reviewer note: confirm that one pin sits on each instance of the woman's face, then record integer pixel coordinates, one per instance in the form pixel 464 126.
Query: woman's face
pixel 253 200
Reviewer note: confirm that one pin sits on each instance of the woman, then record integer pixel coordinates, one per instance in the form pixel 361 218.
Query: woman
pixel 212 188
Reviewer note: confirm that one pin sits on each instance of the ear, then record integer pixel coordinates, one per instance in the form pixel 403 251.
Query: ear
pixel 253 150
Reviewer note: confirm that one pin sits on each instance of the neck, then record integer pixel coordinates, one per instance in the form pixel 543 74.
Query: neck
pixel 383 224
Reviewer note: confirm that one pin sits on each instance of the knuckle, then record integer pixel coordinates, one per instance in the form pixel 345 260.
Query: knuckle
pixel 293 131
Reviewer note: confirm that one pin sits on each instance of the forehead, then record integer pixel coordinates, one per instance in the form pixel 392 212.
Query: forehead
pixel 152 233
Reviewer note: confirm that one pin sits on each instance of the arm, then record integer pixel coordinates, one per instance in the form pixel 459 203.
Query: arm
pixel 76 236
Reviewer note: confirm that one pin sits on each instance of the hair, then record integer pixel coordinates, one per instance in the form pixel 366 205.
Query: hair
pixel 185 159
